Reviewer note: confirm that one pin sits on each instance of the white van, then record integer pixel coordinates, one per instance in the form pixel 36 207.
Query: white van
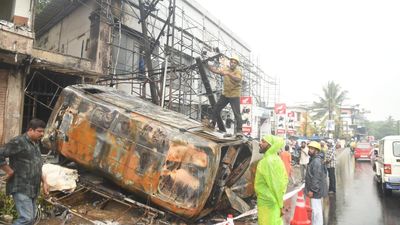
pixel 388 164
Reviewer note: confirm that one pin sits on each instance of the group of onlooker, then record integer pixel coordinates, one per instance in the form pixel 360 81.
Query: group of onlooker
pixel 317 162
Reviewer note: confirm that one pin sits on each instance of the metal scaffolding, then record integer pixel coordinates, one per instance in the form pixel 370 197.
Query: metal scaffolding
pixel 170 40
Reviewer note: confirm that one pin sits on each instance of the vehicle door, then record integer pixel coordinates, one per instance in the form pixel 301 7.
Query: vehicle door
pixel 392 157
pixel 379 158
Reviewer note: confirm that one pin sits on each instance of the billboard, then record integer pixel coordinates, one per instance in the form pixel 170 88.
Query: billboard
pixel 246 109
pixel 290 123
pixel 280 112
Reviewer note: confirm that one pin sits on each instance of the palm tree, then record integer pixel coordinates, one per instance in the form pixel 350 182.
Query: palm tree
pixel 328 106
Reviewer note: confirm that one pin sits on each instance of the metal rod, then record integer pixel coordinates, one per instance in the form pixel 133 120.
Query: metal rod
pixel 72 193
pixel 149 64
pixel 164 82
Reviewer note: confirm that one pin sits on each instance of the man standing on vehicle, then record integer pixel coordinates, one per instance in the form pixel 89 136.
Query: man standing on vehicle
pixel 270 182
pixel 315 186
pixel 330 162
pixel 231 93
pixel 24 171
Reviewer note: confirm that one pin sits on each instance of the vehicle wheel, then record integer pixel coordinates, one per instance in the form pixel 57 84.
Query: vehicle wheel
pixel 385 191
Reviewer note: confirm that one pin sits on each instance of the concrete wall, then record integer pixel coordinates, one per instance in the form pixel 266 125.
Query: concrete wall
pixel 3 93
pixel 11 103
pixel 15 40
pixel 50 41
pixel 68 35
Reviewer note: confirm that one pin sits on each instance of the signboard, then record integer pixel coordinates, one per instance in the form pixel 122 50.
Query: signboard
pixel 330 125
pixel 280 112
pixel 246 109
pixel 290 123
pixel 280 108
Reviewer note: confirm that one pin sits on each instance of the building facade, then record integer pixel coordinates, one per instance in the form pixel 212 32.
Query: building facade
pixel 147 48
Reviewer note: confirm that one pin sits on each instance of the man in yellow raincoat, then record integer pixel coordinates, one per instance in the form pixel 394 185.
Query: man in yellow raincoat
pixel 270 182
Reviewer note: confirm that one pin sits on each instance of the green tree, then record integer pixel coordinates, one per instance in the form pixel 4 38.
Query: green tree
pixel 328 105
pixel 380 129
pixel 40 5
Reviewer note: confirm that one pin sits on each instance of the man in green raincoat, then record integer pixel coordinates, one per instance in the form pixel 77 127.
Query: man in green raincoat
pixel 270 182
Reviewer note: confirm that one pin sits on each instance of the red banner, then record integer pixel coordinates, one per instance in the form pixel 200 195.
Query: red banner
pixel 246 100
pixel 280 108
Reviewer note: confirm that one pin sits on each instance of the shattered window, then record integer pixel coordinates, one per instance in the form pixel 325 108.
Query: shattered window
pixel 103 117
pixel 149 160
pixel 151 144
pixel 123 127
pixel 85 107
pixel 184 173
pixel 182 182
pixel 153 137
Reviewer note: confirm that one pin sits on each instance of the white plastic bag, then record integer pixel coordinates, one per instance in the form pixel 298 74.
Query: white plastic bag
pixel 60 178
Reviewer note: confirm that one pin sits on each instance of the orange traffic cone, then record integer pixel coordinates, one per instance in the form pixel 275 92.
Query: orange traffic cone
pixel 300 213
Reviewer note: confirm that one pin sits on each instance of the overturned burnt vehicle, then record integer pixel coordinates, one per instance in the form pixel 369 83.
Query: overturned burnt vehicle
pixel 153 152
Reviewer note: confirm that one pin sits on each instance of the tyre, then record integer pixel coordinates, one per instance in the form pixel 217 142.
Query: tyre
pixel 385 191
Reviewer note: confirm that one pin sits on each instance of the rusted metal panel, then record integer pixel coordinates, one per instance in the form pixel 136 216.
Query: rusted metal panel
pixel 156 153
pixel 93 203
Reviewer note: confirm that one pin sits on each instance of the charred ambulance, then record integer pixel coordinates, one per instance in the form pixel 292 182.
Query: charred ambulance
pixel 156 153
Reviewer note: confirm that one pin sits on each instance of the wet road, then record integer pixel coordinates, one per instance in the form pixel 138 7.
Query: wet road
pixel 358 200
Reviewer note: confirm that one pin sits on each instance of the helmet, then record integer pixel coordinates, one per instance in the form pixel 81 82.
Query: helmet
pixel 235 57
pixel 315 144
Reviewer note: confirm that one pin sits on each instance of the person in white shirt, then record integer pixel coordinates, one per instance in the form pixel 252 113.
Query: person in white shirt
pixel 304 158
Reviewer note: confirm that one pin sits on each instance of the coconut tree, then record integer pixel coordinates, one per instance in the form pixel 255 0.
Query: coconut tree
pixel 328 105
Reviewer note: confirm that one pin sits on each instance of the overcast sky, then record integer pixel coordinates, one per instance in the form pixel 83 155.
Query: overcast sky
pixel 355 43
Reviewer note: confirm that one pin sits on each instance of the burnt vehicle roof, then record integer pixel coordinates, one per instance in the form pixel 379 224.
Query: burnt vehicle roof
pixel 147 109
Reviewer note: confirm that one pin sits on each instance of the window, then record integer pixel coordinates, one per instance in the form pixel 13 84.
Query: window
pixel 396 148
pixel 87 44
pixel 103 117
pixel 127 50
pixel 123 127
pixel 6 10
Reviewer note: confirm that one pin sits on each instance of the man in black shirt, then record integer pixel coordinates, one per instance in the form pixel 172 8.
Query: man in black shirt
pixel 316 185
pixel 24 171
